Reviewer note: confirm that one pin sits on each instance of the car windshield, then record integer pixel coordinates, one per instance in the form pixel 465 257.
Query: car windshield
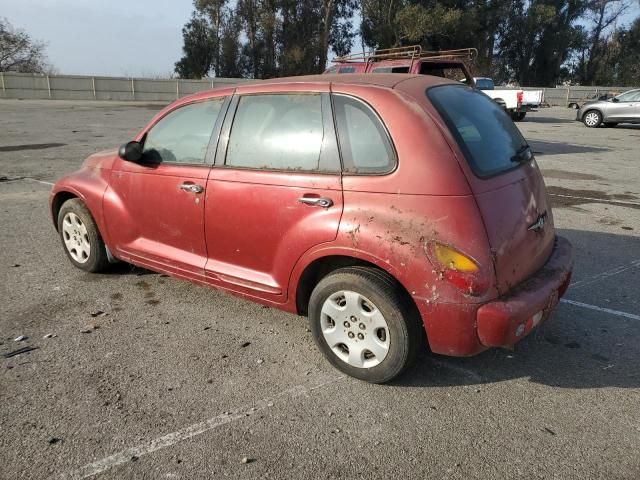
pixel 489 139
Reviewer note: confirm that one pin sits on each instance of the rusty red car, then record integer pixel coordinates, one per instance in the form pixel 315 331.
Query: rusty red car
pixel 451 64
pixel 390 209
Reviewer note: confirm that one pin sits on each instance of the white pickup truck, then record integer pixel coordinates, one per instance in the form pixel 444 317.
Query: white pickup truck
pixel 516 102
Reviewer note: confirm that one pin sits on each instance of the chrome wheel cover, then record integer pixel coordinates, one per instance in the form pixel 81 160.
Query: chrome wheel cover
pixel 354 329
pixel 76 238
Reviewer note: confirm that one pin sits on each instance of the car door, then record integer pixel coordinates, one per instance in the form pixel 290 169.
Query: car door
pixel 634 111
pixel 275 191
pixel 624 107
pixel 154 209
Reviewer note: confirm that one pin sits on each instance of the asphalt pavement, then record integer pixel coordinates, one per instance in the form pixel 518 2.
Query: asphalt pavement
pixel 139 375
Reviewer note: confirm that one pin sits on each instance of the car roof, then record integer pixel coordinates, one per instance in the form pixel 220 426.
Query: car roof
pixel 389 80
pixel 385 80
pixel 379 79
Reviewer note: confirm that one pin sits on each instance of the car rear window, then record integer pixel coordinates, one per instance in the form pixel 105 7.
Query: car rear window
pixel 489 139
pixel 364 142
pixel 484 84
pixel 391 70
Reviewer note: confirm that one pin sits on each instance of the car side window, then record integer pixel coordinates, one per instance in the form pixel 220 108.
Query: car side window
pixel 391 70
pixel 364 142
pixel 183 135
pixel 277 132
pixel 627 96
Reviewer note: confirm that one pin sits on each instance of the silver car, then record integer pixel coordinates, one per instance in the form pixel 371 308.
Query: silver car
pixel 625 108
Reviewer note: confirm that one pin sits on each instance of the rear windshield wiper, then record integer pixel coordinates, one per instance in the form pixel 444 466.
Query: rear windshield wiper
pixel 523 154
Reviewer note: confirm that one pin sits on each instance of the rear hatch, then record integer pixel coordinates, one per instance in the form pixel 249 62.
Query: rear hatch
pixel 505 179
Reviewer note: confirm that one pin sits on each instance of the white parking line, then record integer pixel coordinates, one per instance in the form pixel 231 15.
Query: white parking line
pixel 39 181
pixel 608 273
pixel 597 200
pixel 124 456
pixel 601 309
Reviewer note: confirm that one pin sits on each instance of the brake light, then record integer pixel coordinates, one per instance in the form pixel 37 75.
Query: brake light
pixel 519 97
pixel 457 268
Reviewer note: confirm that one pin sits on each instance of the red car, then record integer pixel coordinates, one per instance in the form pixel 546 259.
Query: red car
pixel 389 209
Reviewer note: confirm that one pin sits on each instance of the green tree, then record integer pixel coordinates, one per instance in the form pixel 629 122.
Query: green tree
pixel 619 64
pixel 536 40
pixel 596 48
pixel 197 50
pixel 230 60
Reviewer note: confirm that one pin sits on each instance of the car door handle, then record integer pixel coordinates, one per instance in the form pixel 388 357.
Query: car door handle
pixel 316 201
pixel 192 188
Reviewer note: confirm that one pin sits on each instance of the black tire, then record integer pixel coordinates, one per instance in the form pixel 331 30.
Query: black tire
pixel 518 116
pixel 501 104
pixel 592 118
pixel 610 124
pixel 97 259
pixel 406 334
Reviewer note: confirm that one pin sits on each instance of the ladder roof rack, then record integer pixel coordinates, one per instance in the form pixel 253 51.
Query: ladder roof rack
pixel 412 52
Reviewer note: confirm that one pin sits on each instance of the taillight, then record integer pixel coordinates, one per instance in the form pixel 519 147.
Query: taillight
pixel 519 97
pixel 457 268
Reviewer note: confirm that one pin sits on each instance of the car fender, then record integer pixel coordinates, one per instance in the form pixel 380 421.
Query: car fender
pixel 333 249
pixel 589 108
pixel 89 185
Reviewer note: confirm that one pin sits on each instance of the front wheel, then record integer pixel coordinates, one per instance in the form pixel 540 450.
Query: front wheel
pixel 363 324
pixel 592 119
pixel 80 237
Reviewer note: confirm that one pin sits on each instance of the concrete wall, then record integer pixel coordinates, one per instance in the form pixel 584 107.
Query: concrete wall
pixel 75 87
pixel 563 96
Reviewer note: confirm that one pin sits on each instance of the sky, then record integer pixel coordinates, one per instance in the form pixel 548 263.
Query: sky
pixel 141 38
pixel 105 37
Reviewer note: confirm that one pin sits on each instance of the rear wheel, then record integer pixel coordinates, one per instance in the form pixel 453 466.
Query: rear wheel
pixel 80 237
pixel 592 118
pixel 363 324
pixel 518 116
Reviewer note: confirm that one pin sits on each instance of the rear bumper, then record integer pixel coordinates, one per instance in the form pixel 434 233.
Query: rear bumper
pixel 468 329
pixel 506 320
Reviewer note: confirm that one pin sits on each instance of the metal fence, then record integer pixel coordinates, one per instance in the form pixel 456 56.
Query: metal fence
pixel 76 87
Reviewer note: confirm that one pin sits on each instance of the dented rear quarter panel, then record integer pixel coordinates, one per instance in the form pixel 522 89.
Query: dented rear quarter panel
pixel 388 219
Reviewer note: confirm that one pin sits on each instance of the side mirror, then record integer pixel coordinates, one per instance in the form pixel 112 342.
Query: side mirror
pixel 615 100
pixel 131 152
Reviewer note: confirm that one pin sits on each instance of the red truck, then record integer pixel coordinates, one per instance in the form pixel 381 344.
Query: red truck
pixel 444 63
